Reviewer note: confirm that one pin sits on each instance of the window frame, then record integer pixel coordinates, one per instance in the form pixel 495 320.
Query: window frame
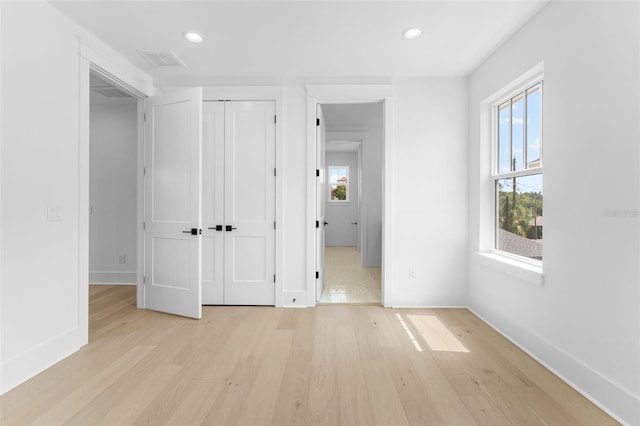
pixel 348 184
pixel 520 91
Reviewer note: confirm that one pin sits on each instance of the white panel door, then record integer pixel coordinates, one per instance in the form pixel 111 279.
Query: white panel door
pixel 212 203
pixel 172 203
pixel 249 260
pixel 321 191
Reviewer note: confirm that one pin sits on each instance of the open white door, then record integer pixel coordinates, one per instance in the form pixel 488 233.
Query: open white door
pixel 173 141
pixel 321 195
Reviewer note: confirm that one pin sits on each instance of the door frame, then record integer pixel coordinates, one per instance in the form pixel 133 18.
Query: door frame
pixel 264 93
pixel 351 94
pixel 133 81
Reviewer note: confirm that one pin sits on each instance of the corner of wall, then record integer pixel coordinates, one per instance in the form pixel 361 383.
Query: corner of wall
pixel 616 401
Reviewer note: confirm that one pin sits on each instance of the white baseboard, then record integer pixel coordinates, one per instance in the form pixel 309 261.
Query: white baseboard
pixel 298 296
pixel 616 401
pixel 112 277
pixel 428 307
pixel 21 368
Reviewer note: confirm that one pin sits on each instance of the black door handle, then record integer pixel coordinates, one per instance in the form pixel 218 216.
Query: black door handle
pixel 354 223
pixel 193 231
pixel 217 228
pixel 326 223
pixel 230 228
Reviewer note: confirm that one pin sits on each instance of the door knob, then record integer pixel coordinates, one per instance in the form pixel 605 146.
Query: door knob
pixel 193 231
pixel 230 228
pixel 354 223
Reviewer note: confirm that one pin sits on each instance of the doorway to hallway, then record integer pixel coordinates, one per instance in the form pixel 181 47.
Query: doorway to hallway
pixel 349 145
pixel 346 280
pixel 113 208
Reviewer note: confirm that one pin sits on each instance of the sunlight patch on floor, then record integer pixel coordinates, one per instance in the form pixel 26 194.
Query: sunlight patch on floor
pixel 409 333
pixel 436 334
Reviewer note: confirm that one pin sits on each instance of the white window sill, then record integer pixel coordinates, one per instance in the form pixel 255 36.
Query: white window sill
pixel 526 272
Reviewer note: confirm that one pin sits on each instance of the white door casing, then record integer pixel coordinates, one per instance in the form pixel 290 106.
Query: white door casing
pixel 351 94
pixel 321 191
pixel 173 141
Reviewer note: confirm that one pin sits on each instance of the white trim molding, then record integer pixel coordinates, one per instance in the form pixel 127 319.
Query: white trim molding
pixel 530 273
pixel 21 368
pixel 97 57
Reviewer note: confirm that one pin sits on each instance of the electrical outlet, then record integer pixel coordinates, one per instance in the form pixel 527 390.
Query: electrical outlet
pixel 122 259
pixel 412 274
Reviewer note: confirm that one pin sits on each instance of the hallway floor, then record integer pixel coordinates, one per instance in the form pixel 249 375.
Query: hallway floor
pixel 346 281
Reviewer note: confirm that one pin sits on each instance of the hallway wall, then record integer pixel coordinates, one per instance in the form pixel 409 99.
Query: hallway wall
pixel 113 192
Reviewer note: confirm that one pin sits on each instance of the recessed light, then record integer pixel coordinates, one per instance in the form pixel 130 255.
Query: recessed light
pixel 411 33
pixel 193 37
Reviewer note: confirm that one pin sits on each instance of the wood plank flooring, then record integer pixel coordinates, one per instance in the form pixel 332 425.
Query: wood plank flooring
pixel 332 365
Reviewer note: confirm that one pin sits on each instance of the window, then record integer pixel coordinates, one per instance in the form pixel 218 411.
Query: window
pixel 518 173
pixel 339 183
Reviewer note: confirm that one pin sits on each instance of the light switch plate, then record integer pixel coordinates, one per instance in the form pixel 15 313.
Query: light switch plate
pixel 54 214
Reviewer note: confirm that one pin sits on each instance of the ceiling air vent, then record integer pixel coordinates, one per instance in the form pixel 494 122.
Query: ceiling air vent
pixel 110 92
pixel 162 59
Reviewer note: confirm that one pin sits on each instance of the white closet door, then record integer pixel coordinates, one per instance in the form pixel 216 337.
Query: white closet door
pixel 212 203
pixel 249 203
pixel 172 203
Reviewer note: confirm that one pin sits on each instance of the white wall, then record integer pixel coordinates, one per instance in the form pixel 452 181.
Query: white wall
pixel 41 317
pixel 371 201
pixel 584 321
pixel 113 185
pixel 430 193
pixel 340 215
pixel 39 171
pixel 429 217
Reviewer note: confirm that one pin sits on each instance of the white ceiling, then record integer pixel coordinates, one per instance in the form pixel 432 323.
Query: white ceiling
pixel 276 40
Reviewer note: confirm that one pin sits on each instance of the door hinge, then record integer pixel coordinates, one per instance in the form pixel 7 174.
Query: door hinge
pixel 274 224
pixel 317 275
pixel 274 278
pixel 144 280
pixel 317 172
pixel 275 118
pixel 317 121
pixel 144 226
pixel 274 171
pixel 317 224
pixel 144 171
pixel 144 116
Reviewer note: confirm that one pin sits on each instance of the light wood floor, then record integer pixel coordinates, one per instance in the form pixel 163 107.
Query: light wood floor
pixel 350 365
